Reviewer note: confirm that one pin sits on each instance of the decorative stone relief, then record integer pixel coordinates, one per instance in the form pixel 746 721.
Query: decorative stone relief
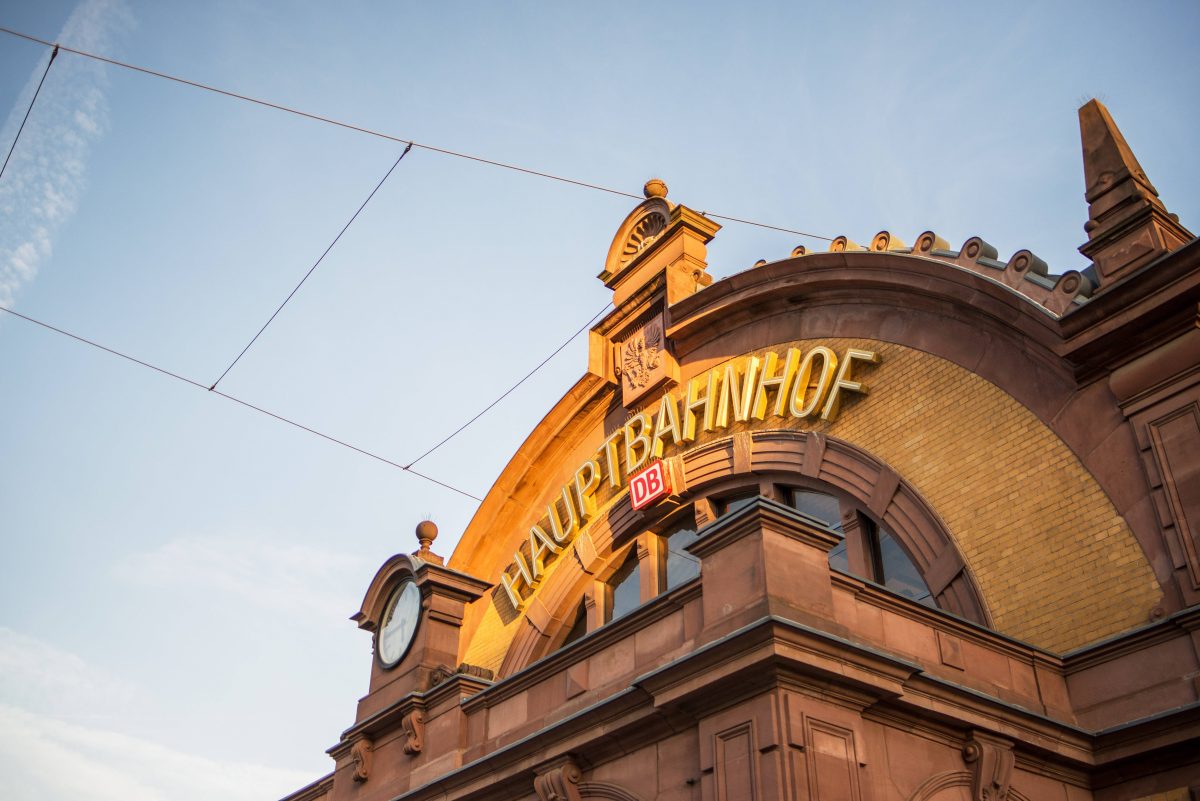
pixel 414 730
pixel 639 230
pixel 643 361
pixel 641 355
pixel 558 780
pixel 1024 271
pixel 641 235
pixel 361 754
pixel 991 760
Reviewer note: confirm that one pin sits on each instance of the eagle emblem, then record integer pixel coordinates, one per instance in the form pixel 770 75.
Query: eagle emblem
pixel 641 356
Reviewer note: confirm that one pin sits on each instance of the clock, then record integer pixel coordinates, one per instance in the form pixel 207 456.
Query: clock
pixel 399 624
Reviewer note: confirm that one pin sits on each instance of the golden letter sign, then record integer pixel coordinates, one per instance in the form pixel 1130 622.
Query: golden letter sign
pixel 796 384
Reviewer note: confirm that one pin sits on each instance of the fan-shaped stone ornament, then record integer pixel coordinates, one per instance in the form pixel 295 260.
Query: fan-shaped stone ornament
pixel 639 231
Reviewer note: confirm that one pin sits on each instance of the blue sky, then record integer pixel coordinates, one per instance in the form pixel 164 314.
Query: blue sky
pixel 177 570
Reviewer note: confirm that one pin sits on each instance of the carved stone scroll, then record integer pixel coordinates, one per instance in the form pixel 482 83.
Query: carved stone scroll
pixel 361 754
pixel 991 760
pixel 414 730
pixel 558 780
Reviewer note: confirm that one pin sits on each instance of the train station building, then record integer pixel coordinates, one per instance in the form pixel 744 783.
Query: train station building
pixel 897 521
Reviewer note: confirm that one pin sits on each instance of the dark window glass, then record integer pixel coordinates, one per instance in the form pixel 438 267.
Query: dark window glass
pixel 578 628
pixel 681 565
pixel 626 587
pixel 838 559
pixel 899 573
pixel 819 505
pixel 727 505
pixel 826 509
pixel 887 563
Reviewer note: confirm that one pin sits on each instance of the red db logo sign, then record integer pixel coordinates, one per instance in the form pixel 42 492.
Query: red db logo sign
pixel 649 485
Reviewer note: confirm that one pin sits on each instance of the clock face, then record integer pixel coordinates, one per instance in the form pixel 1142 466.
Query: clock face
pixel 400 619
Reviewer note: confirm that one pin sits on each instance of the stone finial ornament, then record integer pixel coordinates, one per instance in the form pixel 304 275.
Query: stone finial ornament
pixel 427 532
pixel 655 187
pixel 886 240
pixel 842 243
pixel 1128 226
pixel 975 248
pixel 1024 272
pixel 928 241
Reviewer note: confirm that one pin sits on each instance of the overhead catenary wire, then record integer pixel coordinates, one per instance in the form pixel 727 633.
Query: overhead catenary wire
pixel 25 119
pixel 409 145
pixel 513 388
pixel 241 402
pixel 316 264
pixel 213 387
pixel 381 134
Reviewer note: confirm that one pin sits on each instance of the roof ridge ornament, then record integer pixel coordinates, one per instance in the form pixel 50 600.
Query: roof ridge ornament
pixel 427 532
pixel 639 229
pixel 1024 272
pixel 1128 226
pixel 639 254
pixel 657 258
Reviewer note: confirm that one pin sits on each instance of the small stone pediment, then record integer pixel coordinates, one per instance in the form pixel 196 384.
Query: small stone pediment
pixel 639 231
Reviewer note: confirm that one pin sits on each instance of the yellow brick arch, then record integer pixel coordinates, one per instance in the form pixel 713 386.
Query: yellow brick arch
pixel 1053 560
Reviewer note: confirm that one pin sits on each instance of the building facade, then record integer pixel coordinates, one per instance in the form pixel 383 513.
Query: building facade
pixel 887 522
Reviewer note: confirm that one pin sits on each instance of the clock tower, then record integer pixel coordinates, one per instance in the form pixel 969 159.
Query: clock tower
pixel 414 610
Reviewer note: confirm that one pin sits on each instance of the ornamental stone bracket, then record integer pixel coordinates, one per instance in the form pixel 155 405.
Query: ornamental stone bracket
pixel 558 780
pixel 361 755
pixel 991 760
pixel 414 732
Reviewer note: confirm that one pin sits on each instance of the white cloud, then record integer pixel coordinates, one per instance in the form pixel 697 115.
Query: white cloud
pixel 53 747
pixel 43 759
pixel 271 575
pixel 39 676
pixel 45 176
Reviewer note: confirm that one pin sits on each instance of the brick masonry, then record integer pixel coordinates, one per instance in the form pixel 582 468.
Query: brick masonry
pixel 1056 564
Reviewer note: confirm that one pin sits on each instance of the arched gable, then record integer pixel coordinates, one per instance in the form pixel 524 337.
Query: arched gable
pixel 969 370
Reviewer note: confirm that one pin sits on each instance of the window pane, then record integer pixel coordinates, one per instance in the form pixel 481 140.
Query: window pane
pixel 899 573
pixel 681 565
pixel 578 628
pixel 819 505
pixel 727 505
pixel 626 587
pixel 826 509
pixel 838 559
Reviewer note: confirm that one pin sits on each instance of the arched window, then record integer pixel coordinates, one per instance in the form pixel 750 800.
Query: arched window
pixel 899 544
pixel 867 550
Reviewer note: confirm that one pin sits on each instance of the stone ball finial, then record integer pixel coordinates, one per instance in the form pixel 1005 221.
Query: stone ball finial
pixel 427 532
pixel 654 188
